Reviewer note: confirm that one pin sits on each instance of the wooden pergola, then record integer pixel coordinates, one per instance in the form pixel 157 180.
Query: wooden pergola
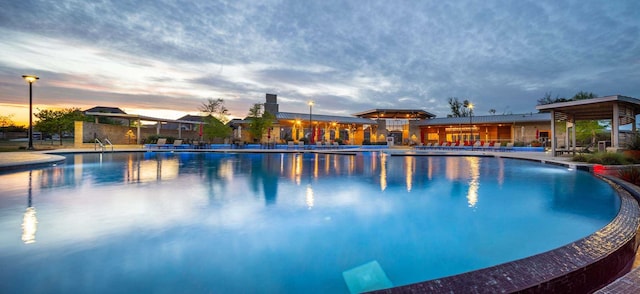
pixel 620 110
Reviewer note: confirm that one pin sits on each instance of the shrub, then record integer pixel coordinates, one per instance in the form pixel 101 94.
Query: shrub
pixel 581 157
pixel 631 175
pixel 606 158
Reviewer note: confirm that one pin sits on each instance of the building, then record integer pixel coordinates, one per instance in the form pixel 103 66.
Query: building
pixel 396 125
pixel 292 126
pixel 523 128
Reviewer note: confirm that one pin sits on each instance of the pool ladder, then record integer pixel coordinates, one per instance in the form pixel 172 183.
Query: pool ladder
pixel 97 143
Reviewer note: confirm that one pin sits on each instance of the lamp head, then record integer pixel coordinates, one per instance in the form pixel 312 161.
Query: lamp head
pixel 30 78
pixel 311 103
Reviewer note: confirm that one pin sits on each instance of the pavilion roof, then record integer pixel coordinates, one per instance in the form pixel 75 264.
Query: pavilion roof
pixel 600 108
pixel 389 113
pixel 488 119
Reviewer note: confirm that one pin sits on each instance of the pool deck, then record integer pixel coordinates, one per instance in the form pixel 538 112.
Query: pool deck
pixel 629 283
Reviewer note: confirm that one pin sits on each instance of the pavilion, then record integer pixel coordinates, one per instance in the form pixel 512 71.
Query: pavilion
pixel 620 110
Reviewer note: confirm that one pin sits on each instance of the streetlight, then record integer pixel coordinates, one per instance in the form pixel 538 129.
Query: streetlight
pixel 311 122
pixel 469 106
pixel 30 79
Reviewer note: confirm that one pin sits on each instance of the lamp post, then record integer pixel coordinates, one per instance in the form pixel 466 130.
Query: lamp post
pixel 470 107
pixel 311 122
pixel 30 79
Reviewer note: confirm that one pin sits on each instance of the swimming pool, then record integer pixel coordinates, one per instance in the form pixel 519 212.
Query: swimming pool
pixel 225 223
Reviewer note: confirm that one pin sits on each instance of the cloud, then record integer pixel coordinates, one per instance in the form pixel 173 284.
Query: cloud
pixel 348 56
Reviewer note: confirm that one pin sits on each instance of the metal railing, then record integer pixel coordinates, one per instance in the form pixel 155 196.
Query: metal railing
pixel 97 143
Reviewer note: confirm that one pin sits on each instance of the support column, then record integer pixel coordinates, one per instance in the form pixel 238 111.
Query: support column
pixel 138 132
pixel 615 125
pixel 553 133
pixel 573 133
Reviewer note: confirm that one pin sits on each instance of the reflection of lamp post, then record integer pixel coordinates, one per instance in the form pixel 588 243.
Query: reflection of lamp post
pixel 29 220
pixel 311 122
pixel 30 79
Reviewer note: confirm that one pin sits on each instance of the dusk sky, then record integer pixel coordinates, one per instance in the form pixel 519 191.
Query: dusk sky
pixel 164 58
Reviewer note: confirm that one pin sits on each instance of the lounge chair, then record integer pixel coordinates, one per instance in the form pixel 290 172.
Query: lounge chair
pixel 161 143
pixel 290 145
pixel 177 144
pixel 318 145
pixel 301 144
pixel 496 146
pixel 336 145
pixel 435 145
pixel 509 147
pixel 477 145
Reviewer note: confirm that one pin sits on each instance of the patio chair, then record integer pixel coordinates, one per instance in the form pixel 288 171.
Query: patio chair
pixel 509 147
pixel 161 143
pixel 496 146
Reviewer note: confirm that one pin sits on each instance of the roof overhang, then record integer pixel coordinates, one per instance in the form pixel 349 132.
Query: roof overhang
pixel 395 114
pixel 600 108
pixel 142 117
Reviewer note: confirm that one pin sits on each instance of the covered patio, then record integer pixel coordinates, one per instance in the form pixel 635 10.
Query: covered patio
pixel 620 110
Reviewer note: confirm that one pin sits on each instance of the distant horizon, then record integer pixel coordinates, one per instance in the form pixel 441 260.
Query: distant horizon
pixel 164 58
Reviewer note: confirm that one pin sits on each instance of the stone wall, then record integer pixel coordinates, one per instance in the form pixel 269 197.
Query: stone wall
pixel 86 132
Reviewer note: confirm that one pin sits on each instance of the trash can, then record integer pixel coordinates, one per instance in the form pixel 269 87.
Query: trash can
pixel 602 146
pixel 390 141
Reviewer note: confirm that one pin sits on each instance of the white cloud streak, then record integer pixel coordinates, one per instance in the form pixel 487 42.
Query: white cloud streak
pixel 345 55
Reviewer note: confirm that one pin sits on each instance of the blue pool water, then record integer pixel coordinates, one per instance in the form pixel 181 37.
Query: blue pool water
pixel 280 223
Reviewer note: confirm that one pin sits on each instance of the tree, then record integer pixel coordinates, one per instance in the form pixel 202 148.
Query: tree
pixel 58 121
pixel 546 99
pixel 216 108
pixel 583 95
pixel 588 130
pixel 216 119
pixel 214 128
pixel 458 109
pixel 259 121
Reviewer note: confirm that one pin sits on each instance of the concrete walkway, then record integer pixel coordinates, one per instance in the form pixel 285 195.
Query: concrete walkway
pixel 17 160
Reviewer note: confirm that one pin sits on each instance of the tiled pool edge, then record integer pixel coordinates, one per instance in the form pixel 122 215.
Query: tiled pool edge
pixel 580 267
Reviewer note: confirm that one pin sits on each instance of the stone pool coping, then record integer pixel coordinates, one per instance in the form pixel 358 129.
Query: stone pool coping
pixel 583 266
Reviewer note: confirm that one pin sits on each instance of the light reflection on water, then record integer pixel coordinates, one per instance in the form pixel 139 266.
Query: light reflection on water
pixel 195 222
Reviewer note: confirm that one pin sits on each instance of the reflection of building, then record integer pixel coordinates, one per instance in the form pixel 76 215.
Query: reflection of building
pixel 489 128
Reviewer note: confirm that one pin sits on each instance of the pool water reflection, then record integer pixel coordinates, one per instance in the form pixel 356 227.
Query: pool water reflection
pixel 226 223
